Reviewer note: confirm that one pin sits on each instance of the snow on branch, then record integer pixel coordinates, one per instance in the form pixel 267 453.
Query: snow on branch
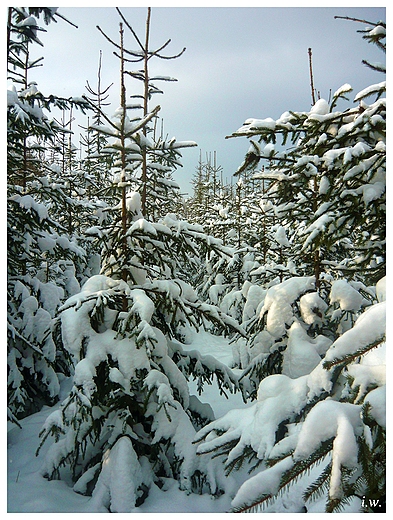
pixel 369 332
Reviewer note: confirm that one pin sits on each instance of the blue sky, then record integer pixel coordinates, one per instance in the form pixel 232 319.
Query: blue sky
pixel 240 62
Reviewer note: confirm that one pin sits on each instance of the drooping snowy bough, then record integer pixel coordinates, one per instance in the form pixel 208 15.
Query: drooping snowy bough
pixel 129 420
pixel 332 418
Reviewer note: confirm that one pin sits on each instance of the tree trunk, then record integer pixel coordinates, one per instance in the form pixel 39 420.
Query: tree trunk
pixel 145 109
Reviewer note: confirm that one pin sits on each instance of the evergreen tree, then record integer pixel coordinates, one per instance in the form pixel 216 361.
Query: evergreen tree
pixel 36 240
pixel 96 163
pixel 327 414
pixel 196 203
pixel 330 187
pixel 315 360
pixel 129 420
pixel 243 216
pixel 268 235
pixel 154 177
pixel 131 372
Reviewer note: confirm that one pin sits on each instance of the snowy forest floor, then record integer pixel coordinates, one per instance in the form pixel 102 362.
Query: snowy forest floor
pixel 29 492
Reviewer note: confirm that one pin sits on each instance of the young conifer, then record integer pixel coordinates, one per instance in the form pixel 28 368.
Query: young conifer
pixel 316 364
pixel 37 243
pixel 129 420
pixel 329 188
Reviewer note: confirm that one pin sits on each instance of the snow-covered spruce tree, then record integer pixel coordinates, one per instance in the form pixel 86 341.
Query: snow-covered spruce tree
pixel 210 205
pixel 129 420
pixel 262 249
pixel 130 393
pixel 223 213
pixel 318 360
pixel 213 202
pixel 78 179
pixel 242 215
pixel 268 236
pixel 35 240
pixel 94 166
pixel 330 186
pixel 268 317
pixel 333 186
pixel 314 434
pixel 196 204
pixel 160 156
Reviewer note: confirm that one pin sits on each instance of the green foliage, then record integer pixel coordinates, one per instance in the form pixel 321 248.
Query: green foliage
pixel 328 188
pixel 131 381
pixel 40 253
pixel 123 331
pixel 328 423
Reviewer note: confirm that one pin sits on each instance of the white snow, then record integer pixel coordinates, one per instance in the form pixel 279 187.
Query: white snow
pixel 302 354
pixel 144 226
pixel 377 399
pixel 331 419
pixel 260 421
pixel 321 107
pixel 119 493
pixel 280 236
pixel 324 185
pixel 30 492
pixel 379 30
pixel 381 289
pixel 142 305
pixel 254 424
pixel 342 90
pixel 269 149
pixel 372 89
pixel 264 483
pixel 366 375
pixel 346 295
pixel 369 329
pixel 30 20
pixel 84 373
pixel 134 202
pixel 27 202
pixel 251 125
pixel 312 308
pixel 278 303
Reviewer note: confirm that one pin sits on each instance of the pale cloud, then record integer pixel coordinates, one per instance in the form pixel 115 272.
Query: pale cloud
pixel 239 63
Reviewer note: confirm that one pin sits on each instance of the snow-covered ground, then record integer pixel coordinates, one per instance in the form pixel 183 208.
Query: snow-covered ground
pixel 29 492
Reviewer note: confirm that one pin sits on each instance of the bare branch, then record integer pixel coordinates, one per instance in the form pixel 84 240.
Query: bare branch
pixel 91 91
pixel 146 119
pixel 356 20
pixel 100 111
pixel 107 37
pixel 170 57
pixel 128 60
pixel 65 19
pixel 311 76
pixel 131 29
